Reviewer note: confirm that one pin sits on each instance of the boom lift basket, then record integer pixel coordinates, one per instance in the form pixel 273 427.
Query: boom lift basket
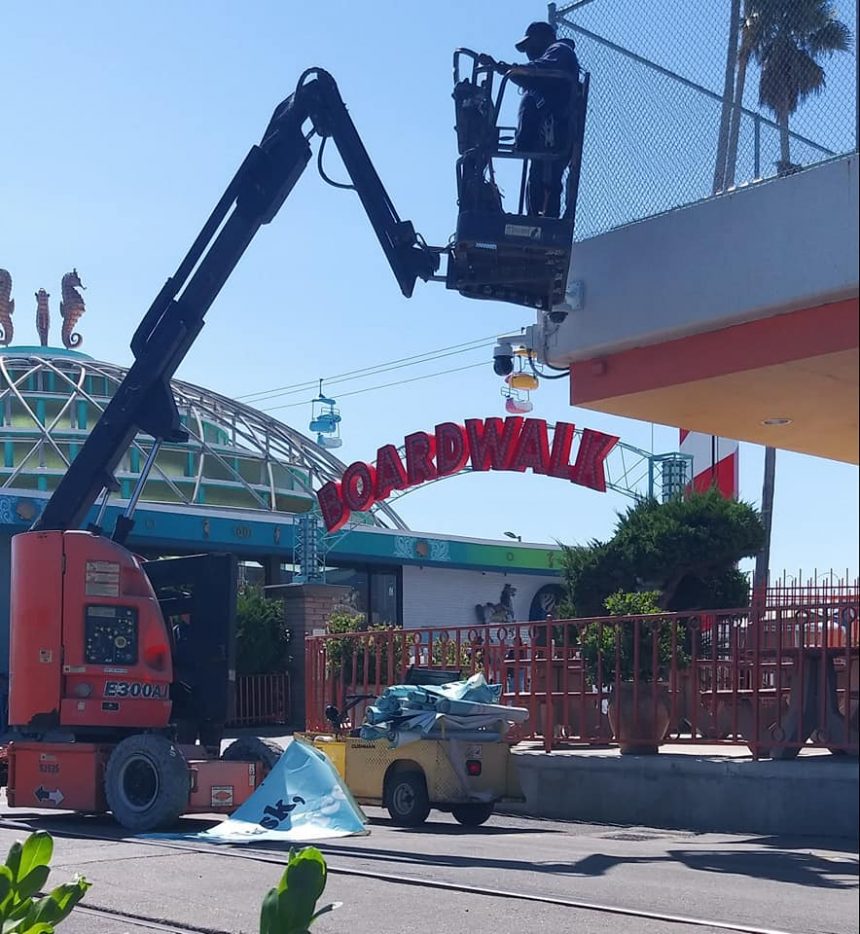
pixel 511 257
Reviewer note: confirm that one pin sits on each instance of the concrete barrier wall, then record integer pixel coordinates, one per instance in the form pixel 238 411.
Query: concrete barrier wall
pixel 814 796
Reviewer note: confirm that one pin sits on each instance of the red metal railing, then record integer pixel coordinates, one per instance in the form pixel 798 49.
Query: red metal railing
pixel 810 588
pixel 817 588
pixel 262 699
pixel 776 681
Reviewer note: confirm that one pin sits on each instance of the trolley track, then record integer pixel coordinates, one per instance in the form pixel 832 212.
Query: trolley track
pixel 145 922
pixel 270 857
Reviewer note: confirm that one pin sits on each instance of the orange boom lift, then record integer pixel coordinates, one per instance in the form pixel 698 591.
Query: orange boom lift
pixel 121 670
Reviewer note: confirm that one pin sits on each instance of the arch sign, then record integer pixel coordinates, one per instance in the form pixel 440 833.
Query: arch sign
pixel 513 443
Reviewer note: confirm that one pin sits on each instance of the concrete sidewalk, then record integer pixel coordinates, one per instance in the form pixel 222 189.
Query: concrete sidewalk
pixel 702 788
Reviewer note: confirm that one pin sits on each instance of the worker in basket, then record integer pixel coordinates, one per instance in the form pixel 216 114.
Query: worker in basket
pixel 544 123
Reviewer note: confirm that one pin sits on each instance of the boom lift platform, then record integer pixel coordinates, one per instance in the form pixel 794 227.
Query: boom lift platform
pixel 121 670
pixel 509 257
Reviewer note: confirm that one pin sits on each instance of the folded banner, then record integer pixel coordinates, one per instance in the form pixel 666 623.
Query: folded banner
pixel 466 710
pixel 302 799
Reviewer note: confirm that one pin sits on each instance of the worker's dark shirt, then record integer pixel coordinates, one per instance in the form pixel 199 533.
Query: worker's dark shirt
pixel 545 96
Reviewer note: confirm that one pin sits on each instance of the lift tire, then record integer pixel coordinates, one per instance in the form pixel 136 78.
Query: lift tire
pixel 147 783
pixel 473 815
pixel 254 749
pixel 406 798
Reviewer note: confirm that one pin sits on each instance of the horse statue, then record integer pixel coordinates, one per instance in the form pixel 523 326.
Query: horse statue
pixel 71 308
pixel 43 316
pixel 501 612
pixel 7 308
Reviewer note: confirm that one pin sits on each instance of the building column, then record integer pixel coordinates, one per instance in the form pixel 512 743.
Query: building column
pixel 307 609
pixel 271 570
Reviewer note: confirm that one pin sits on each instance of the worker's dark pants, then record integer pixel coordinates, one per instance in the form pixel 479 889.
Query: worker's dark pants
pixel 544 184
pixel 543 192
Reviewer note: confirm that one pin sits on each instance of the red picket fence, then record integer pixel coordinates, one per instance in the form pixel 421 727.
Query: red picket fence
pixel 262 699
pixel 776 681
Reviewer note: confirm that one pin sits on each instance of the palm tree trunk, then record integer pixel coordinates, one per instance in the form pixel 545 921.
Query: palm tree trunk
pixel 728 87
pixel 784 142
pixel 762 561
pixel 737 115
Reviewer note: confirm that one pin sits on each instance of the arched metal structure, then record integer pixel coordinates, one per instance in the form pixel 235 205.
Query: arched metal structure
pixel 236 456
pixel 629 470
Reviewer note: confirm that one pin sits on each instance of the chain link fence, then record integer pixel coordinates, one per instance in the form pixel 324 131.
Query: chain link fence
pixel 662 131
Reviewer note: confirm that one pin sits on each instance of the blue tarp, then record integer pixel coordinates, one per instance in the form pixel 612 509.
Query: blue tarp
pixel 467 710
pixel 302 799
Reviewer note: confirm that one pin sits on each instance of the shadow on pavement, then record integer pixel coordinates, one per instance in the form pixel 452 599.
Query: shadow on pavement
pixel 835 844
pixel 449 829
pixel 774 865
pixel 776 861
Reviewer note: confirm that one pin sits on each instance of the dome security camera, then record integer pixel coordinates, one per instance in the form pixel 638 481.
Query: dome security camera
pixel 503 359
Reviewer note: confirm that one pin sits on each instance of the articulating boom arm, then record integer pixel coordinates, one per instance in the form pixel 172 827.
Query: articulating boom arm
pixel 143 402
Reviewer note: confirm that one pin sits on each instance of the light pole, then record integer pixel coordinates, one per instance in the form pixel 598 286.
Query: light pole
pixel 513 535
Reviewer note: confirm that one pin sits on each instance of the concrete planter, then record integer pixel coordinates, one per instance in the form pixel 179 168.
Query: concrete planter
pixel 639 720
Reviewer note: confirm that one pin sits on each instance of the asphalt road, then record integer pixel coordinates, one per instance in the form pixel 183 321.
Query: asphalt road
pixel 532 876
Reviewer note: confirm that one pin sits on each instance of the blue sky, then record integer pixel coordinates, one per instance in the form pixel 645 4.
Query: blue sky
pixel 124 122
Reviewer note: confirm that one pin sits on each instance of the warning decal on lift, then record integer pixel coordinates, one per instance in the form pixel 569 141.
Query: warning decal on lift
pixel 520 230
pixel 221 796
pixel 43 796
pixel 102 579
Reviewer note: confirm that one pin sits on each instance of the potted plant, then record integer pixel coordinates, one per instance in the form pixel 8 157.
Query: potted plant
pixel 675 556
pixel 630 662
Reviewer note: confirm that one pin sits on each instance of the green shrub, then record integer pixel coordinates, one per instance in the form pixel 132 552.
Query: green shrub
pixel 363 657
pixel 22 877
pixel 611 647
pixel 467 659
pixel 366 656
pixel 290 907
pixel 687 549
pixel 262 637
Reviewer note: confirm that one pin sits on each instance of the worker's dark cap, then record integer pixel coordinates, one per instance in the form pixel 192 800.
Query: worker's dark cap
pixel 538 30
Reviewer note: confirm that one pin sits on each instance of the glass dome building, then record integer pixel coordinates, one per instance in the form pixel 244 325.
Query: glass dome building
pixel 236 457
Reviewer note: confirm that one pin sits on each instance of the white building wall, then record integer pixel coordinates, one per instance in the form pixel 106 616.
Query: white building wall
pixel 448 596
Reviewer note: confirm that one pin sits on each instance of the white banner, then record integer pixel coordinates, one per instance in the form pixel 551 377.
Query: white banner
pixel 302 799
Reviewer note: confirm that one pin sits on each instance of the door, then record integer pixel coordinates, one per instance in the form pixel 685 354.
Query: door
pixel 197 595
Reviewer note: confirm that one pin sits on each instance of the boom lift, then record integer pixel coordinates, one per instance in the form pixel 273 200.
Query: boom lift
pixel 510 257
pixel 117 665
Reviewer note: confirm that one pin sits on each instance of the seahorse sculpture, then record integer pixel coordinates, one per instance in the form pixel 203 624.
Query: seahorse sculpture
pixel 43 316
pixel 7 307
pixel 71 308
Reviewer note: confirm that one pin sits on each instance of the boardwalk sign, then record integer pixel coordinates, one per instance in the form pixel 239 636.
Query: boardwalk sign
pixel 514 443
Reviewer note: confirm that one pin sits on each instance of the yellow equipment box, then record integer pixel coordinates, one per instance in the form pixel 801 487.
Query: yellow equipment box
pixel 465 778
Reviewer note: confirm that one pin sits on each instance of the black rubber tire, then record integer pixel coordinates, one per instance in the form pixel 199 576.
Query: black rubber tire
pixel 147 783
pixel 473 815
pixel 406 799
pixel 254 749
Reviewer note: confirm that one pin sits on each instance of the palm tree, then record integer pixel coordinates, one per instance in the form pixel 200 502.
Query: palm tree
pixel 762 564
pixel 728 89
pixel 750 37
pixel 787 38
pixel 794 36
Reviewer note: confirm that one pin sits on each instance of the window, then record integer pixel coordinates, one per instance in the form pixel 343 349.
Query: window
pixel 375 592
